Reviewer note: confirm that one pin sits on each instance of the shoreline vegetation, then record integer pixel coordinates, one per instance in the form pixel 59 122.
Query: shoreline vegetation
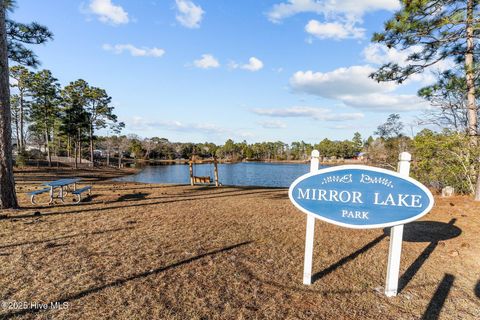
pixel 210 160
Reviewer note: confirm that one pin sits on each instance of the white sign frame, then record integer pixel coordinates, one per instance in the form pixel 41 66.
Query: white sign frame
pixel 396 231
pixel 362 167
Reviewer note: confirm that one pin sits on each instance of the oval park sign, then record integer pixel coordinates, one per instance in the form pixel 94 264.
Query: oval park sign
pixel 360 197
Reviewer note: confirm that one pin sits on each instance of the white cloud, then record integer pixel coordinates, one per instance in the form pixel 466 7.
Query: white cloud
pixel 353 87
pixel 189 14
pixel 107 12
pixel 386 102
pixel 309 112
pixel 340 17
pixel 379 54
pixel 334 30
pixel 187 129
pixel 141 123
pixel 376 53
pixel 272 124
pixel 330 8
pixel 134 51
pixel 339 82
pixel 254 64
pixel 292 7
pixel 206 62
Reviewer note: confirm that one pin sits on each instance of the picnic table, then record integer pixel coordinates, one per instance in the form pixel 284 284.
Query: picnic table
pixel 61 184
pixel 64 185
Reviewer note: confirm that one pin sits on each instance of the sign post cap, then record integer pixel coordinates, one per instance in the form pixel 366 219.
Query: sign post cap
pixel 405 156
pixel 315 154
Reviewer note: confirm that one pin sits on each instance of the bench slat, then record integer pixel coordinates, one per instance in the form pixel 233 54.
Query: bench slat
pixel 81 190
pixel 39 191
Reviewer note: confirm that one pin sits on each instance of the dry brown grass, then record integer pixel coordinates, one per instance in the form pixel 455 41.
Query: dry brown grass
pixel 137 251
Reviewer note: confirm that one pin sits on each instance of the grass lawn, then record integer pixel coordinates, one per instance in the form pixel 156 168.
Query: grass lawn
pixel 139 251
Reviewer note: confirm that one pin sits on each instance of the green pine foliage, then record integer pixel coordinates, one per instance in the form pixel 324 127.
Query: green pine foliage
pixel 20 35
pixel 434 29
pixel 444 159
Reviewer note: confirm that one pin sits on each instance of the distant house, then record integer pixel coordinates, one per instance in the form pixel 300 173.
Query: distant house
pixel 99 153
pixel 362 156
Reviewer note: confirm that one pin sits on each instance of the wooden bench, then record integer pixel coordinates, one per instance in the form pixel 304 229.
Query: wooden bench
pixel 78 192
pixel 205 179
pixel 37 192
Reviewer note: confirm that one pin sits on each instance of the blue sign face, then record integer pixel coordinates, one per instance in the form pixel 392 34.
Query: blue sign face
pixel 360 197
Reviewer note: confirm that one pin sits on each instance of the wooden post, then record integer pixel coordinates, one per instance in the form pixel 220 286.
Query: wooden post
pixel 190 164
pixel 396 236
pixel 310 232
pixel 215 170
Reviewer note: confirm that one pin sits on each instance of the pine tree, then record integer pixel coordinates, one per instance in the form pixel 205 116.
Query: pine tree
pixel 22 77
pixel 448 96
pixel 8 197
pixel 99 113
pixel 357 142
pixel 15 107
pixel 19 34
pixel 435 30
pixel 73 115
pixel 13 36
pixel 45 106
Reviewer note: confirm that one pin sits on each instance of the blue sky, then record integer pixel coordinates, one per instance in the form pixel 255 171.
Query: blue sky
pixel 209 70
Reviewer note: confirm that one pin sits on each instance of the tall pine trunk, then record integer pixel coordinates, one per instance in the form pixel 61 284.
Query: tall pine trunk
pixel 47 145
pixel 17 131
pixel 91 144
pixel 79 146
pixel 119 159
pixel 108 156
pixel 75 148
pixel 470 81
pixel 8 197
pixel 53 143
pixel 68 147
pixel 22 119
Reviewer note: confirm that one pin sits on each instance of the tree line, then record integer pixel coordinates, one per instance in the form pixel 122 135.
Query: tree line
pixel 60 119
pixel 162 149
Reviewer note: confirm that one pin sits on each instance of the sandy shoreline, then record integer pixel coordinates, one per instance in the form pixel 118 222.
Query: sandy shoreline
pixel 179 252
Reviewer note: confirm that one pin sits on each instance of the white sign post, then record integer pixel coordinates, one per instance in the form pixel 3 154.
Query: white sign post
pixel 396 236
pixel 413 191
pixel 307 265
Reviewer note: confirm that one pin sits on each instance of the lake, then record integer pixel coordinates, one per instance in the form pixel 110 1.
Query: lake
pixel 231 174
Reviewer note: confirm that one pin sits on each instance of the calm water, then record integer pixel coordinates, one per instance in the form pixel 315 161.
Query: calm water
pixel 237 174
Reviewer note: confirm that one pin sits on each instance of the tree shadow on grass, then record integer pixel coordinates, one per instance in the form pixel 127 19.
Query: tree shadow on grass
pixel 99 232
pixel 132 197
pixel 420 231
pixel 425 231
pixel 194 192
pixel 347 259
pixel 439 297
pixel 296 287
pixel 122 281
pixel 165 199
